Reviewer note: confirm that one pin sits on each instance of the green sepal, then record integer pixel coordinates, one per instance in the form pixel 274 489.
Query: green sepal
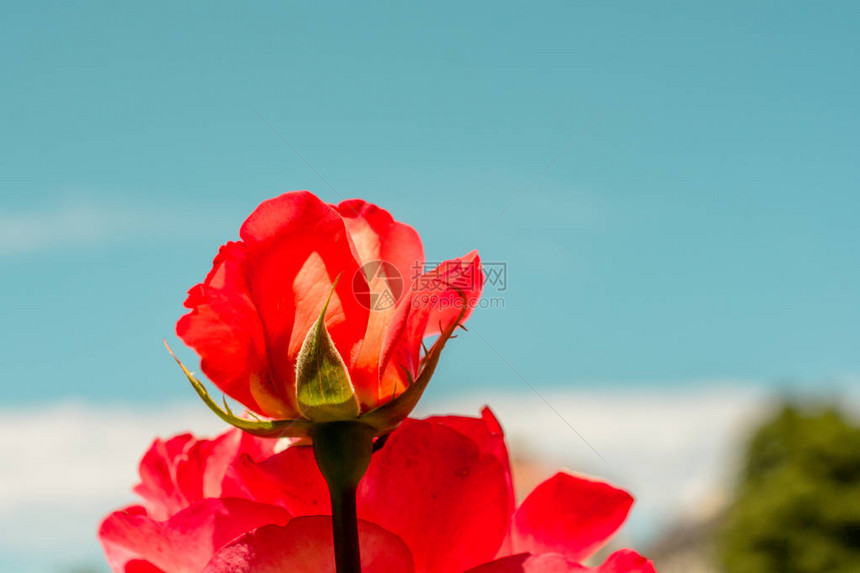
pixel 381 420
pixel 324 391
pixel 263 428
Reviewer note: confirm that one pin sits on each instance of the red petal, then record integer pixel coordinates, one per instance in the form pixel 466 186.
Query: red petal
pixel 185 542
pixel 225 330
pixel 377 237
pixel 442 494
pixel 304 545
pixel 297 246
pixel 450 285
pixel 570 515
pixel 437 299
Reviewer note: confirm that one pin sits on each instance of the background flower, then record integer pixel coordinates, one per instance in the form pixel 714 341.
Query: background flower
pixel 438 495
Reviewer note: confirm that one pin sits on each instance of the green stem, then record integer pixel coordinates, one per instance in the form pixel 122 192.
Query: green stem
pixel 342 451
pixel 347 554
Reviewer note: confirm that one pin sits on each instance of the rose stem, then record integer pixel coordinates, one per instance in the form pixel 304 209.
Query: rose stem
pixel 342 451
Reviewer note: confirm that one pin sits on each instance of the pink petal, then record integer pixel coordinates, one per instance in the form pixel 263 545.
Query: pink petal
pixel 186 541
pixel 183 469
pixel 439 492
pixel 158 488
pixel 304 545
pixel 199 473
pixel 570 515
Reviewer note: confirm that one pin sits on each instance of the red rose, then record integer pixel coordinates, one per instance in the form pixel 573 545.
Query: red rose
pixel 437 498
pixel 257 308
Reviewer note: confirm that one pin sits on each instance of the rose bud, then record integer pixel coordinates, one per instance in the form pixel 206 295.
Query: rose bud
pixel 318 314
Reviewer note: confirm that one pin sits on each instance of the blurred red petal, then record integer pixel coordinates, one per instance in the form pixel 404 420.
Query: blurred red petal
pixel 525 563
pixel 570 515
pixel 199 473
pixel 289 479
pixel 622 561
pixel 441 493
pixel 304 545
pixel 184 469
pixel 157 469
pixel 487 434
pixel 138 566
pixel 186 541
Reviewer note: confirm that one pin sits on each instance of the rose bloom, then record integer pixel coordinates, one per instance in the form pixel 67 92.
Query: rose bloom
pixel 249 318
pixel 438 498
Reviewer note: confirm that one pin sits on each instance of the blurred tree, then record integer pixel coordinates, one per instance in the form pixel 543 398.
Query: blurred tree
pixel 797 508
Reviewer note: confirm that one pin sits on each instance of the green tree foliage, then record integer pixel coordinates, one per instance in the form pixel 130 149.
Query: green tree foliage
pixel 797 508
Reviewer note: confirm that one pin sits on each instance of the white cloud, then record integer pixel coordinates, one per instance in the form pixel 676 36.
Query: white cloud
pixel 85 222
pixel 674 449
pixel 80 224
pixel 64 467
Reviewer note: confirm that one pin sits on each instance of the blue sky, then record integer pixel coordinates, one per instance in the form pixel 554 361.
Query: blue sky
pixel 704 227
pixel 674 190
